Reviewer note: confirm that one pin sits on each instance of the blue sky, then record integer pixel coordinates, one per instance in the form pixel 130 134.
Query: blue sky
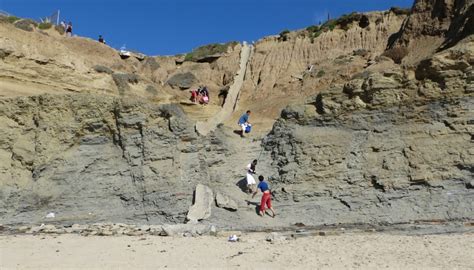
pixel 166 27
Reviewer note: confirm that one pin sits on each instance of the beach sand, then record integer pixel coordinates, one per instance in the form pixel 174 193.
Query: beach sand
pixel 345 251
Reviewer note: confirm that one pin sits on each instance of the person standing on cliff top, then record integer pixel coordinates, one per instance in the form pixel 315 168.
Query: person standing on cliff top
pixel 101 39
pixel 266 197
pixel 69 29
pixel 244 122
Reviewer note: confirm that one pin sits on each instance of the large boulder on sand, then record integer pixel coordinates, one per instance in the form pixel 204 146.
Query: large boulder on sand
pixel 201 209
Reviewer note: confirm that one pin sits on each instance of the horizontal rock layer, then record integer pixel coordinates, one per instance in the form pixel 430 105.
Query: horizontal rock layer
pixel 384 166
pixel 93 158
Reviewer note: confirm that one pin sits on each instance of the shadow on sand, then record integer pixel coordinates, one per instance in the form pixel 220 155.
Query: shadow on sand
pixel 256 204
pixel 238 132
pixel 242 184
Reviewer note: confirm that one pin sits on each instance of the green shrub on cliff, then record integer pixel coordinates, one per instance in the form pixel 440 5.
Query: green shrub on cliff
pixel 321 73
pixel 284 35
pixel 209 50
pixel 344 22
pixel 12 19
pixel 45 25
pixel 26 24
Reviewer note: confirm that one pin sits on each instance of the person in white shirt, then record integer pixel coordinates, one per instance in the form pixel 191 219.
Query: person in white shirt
pixel 251 170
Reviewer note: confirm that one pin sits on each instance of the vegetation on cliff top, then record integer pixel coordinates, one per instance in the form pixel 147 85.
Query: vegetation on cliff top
pixel 284 35
pixel 45 25
pixel 8 19
pixel 209 50
pixel 30 24
pixel 26 24
pixel 344 22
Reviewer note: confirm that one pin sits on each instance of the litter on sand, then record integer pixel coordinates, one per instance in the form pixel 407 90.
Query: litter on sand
pixel 233 238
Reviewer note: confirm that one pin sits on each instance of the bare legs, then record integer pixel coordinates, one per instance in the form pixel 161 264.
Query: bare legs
pixel 262 213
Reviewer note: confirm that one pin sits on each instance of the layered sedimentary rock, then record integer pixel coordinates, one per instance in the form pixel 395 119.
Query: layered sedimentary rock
pixel 274 61
pixel 382 143
pixel 384 147
pixel 92 158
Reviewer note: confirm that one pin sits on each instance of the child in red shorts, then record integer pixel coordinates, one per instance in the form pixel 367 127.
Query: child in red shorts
pixel 194 95
pixel 266 197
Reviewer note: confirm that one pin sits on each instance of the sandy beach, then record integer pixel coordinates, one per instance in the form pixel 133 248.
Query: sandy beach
pixel 346 251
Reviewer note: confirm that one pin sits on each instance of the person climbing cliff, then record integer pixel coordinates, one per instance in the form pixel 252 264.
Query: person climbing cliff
pixel 251 167
pixel 194 95
pixel 266 196
pixel 244 122
pixel 204 94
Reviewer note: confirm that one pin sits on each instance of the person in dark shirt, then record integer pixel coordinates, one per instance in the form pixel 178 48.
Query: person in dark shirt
pixel 266 197
pixel 204 93
pixel 101 39
pixel 69 29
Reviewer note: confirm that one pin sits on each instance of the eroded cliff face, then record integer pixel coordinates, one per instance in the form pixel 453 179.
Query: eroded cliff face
pixel 373 142
pixel 388 146
pixel 275 63
pixel 434 25
pixel 91 158
pixel 62 65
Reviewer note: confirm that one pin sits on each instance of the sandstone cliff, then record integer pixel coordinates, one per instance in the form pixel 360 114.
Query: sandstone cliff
pixel 62 65
pixel 391 145
pixel 364 139
pixel 84 156
pixel 276 61
pixel 434 25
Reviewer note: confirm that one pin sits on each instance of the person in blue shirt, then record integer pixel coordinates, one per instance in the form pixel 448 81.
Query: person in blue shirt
pixel 266 197
pixel 244 122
